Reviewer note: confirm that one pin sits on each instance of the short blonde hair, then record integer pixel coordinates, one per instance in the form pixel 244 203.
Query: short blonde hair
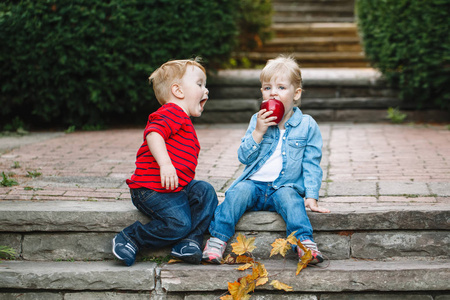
pixel 166 75
pixel 283 65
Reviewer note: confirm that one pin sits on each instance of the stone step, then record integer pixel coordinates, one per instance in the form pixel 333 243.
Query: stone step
pixel 313 11
pixel 312 59
pixel 363 279
pixel 69 230
pixel 312 44
pixel 329 94
pixel 315 29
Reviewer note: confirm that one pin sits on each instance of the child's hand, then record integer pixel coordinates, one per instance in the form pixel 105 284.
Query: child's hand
pixel 263 121
pixel 169 177
pixel 312 204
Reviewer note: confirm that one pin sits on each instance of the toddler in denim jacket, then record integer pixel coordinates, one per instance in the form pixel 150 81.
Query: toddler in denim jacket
pixel 282 165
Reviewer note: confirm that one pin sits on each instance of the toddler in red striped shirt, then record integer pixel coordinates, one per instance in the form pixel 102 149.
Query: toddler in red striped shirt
pixel 163 187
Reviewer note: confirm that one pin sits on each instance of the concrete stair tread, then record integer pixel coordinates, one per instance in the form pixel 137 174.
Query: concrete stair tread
pixel 307 56
pixel 340 275
pixel 112 216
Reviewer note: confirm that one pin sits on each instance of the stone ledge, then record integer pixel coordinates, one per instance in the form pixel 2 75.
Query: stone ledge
pixel 113 216
pixel 76 276
pixel 342 275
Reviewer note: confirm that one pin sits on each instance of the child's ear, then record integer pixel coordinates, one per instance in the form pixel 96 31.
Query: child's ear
pixel 298 94
pixel 177 91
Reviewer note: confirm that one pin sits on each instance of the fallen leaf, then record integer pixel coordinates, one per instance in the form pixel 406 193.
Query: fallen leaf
pixel 174 261
pixel 281 286
pixel 305 259
pixel 280 246
pixel 243 245
pixel 226 297
pixel 245 267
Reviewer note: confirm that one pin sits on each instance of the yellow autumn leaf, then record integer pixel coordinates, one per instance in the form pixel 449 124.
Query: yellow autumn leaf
pixel 305 259
pixel 245 267
pixel 243 245
pixel 280 246
pixel 281 286
pixel 240 290
pixel 226 297
pixel 174 261
pixel 292 239
pixel 262 281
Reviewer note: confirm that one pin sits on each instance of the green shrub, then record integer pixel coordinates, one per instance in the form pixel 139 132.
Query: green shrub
pixel 87 62
pixel 409 42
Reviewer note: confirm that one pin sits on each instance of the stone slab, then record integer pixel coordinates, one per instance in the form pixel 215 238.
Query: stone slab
pixel 403 188
pixel 340 275
pixel 384 244
pixel 76 276
pixel 113 216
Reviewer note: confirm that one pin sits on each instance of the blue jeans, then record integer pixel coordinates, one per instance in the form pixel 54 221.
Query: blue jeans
pixel 175 217
pixel 249 195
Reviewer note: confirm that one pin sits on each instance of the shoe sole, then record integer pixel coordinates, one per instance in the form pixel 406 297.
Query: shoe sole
pixel 191 258
pixel 117 255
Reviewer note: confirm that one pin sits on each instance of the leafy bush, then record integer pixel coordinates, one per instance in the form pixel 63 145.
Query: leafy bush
pixel 409 41
pixel 87 62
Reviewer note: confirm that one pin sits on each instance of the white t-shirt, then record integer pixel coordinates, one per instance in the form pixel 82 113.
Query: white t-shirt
pixel 272 168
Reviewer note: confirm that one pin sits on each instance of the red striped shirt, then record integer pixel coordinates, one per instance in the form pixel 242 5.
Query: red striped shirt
pixel 175 126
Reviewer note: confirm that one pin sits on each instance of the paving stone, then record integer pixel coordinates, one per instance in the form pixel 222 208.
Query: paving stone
pixel 403 188
pixel 440 188
pixel 352 188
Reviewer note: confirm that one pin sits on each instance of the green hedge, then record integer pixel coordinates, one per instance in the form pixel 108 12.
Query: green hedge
pixel 78 62
pixel 409 42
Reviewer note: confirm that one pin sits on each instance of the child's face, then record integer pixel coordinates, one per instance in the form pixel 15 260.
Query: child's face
pixel 193 84
pixel 281 88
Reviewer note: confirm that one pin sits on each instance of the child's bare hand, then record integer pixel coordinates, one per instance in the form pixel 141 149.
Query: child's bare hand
pixel 312 205
pixel 263 121
pixel 169 177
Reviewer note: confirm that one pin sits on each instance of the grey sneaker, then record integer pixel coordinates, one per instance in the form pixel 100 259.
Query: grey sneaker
pixel 214 250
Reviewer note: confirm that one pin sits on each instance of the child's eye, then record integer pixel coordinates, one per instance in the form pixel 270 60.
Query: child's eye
pixel 266 88
pixel 282 88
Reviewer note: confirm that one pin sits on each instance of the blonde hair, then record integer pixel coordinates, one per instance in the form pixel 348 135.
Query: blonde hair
pixel 283 65
pixel 168 74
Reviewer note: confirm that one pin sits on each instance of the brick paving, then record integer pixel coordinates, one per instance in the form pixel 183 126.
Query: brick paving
pixel 364 164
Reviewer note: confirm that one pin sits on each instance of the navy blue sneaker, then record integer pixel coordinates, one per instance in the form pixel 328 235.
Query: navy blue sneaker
pixel 124 250
pixel 187 251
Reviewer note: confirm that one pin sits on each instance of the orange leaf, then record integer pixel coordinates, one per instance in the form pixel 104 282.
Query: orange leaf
pixel 243 245
pixel 281 286
pixel 243 259
pixel 174 261
pixel 240 290
pixel 226 297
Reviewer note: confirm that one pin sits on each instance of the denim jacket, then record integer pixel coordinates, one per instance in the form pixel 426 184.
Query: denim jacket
pixel 301 151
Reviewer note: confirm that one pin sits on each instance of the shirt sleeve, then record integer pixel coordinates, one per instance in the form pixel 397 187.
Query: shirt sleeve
pixel 162 124
pixel 312 171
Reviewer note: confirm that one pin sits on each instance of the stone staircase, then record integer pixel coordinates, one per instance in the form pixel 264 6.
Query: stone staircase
pixel 374 252
pixel 329 95
pixel 317 33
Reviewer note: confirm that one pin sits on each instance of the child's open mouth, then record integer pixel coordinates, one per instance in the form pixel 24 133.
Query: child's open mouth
pixel 203 102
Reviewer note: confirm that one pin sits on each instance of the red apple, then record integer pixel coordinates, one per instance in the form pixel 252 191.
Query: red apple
pixel 276 106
